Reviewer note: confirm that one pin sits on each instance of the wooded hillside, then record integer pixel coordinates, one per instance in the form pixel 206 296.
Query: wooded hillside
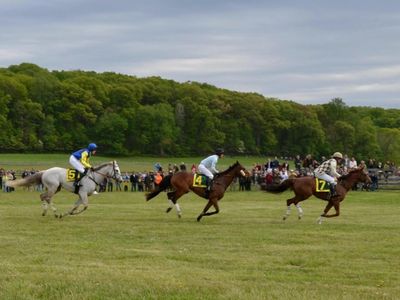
pixel 58 111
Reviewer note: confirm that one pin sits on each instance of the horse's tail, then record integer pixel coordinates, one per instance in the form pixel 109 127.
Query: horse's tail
pixel 164 184
pixel 28 180
pixel 283 186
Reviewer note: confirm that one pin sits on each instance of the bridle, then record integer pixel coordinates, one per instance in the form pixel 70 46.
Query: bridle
pixel 113 175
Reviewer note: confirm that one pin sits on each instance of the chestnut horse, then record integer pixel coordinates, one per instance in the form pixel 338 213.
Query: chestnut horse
pixel 305 187
pixel 182 182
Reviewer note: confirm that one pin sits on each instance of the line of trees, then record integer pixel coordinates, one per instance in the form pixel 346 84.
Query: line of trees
pixel 58 111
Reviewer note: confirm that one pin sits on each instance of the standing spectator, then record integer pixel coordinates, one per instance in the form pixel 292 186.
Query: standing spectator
pixel 110 185
pixel 182 167
pixel 133 179
pixel 297 163
pixel 275 163
pixel 352 163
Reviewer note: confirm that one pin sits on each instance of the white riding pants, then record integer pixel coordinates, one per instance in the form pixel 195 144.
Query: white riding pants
pixel 76 164
pixel 326 177
pixel 203 170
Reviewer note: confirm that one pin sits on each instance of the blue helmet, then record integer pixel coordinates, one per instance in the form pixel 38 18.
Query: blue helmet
pixel 92 146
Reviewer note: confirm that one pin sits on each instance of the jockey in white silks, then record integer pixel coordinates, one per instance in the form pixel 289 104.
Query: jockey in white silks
pixel 80 160
pixel 207 166
pixel 327 171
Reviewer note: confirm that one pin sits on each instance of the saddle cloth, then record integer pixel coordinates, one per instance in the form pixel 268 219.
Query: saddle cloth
pixel 199 180
pixel 321 185
pixel 71 173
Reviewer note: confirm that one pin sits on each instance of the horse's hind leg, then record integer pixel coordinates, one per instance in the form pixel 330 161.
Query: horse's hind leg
pixel 170 196
pixel 289 202
pixel 46 200
pixel 299 211
pixel 173 200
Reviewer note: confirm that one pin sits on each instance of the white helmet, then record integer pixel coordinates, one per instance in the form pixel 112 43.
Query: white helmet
pixel 337 155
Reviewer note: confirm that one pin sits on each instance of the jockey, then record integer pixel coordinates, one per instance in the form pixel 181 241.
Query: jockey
pixel 207 166
pixel 327 171
pixel 80 160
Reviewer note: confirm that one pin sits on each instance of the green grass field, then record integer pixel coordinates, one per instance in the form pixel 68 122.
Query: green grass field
pixel 123 247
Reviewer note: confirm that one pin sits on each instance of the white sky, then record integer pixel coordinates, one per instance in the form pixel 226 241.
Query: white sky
pixel 305 51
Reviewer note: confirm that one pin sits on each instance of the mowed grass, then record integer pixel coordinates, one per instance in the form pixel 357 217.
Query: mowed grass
pixel 123 247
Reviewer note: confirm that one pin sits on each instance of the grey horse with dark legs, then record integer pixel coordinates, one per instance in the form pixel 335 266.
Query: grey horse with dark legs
pixel 56 178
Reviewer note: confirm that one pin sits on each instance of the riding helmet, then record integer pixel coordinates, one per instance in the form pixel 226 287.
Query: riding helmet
pixel 92 146
pixel 337 155
pixel 219 151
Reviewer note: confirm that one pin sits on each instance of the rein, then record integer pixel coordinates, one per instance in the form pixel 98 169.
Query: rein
pixel 104 175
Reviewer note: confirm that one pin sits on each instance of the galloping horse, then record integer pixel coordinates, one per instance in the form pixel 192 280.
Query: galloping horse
pixel 305 187
pixel 55 178
pixel 182 183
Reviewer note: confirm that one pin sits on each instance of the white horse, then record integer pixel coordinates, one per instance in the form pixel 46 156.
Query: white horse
pixel 55 178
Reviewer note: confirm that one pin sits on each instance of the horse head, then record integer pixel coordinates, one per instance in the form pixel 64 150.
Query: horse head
pixel 110 170
pixel 357 175
pixel 363 176
pixel 240 170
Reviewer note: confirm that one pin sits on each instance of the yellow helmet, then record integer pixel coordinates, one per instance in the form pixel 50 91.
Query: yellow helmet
pixel 337 155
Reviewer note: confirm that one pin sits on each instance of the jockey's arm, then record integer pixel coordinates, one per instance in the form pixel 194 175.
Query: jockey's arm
pixel 213 169
pixel 334 173
pixel 85 160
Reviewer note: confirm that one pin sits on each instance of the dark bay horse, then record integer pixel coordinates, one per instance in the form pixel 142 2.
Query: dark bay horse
pixel 305 187
pixel 182 182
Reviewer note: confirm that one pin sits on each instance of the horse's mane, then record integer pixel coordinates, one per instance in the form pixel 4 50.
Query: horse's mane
pixel 101 166
pixel 348 175
pixel 228 170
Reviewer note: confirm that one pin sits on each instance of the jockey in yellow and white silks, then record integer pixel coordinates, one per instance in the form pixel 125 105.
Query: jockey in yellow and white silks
pixel 80 159
pixel 327 171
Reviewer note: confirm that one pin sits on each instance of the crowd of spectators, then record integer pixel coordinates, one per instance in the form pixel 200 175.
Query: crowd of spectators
pixel 273 171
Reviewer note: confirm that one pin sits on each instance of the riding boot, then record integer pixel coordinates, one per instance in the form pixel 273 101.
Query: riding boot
pixel 332 189
pixel 209 186
pixel 78 178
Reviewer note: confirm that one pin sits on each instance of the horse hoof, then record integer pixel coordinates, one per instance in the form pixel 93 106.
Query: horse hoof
pixel 168 209
pixel 300 217
pixel 284 218
pixel 179 216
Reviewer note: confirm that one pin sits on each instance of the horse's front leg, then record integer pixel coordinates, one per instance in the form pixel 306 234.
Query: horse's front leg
pixel 324 214
pixel 207 207
pixel 83 199
pixel 336 205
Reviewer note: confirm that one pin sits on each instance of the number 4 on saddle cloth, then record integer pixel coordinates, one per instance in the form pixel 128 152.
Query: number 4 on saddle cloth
pixel 200 180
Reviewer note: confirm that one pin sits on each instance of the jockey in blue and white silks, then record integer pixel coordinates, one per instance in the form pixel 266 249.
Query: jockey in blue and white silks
pixel 207 165
pixel 327 171
pixel 80 159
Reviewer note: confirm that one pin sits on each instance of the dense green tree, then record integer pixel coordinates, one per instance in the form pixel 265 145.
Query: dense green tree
pixel 43 110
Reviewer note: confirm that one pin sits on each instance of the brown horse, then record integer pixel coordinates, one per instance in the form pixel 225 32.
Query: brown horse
pixel 182 182
pixel 305 187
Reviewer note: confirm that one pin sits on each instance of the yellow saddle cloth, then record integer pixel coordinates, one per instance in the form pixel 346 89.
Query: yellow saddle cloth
pixel 321 185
